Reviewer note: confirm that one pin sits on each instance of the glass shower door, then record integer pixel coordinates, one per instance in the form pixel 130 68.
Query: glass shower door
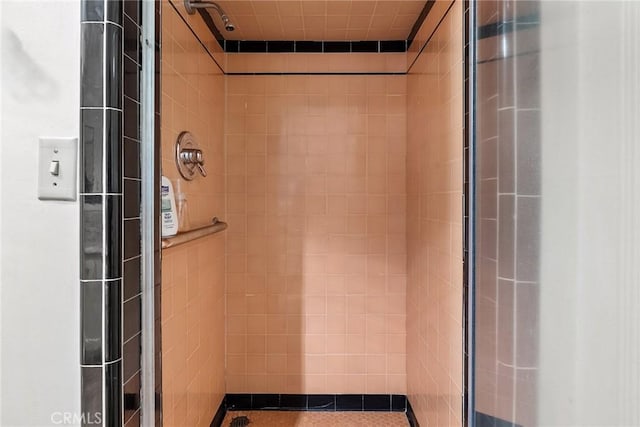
pixel 556 213
pixel 507 211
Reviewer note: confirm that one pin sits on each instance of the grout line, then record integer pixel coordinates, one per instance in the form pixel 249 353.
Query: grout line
pixel 139 333
pixel 139 371
pixel 113 362
pixel 102 109
pixel 139 294
pixel 100 280
pixel 131 59
pixel 126 97
pixel 115 24
pixel 133 257
pixel 134 414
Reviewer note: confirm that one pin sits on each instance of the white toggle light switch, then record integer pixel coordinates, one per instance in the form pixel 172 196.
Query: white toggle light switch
pixel 57 168
pixel 54 167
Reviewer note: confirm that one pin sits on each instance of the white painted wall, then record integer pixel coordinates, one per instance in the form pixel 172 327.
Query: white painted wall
pixel 1 213
pixel 39 243
pixel 590 272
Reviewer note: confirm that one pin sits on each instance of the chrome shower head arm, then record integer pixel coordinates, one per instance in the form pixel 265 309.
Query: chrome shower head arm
pixel 192 5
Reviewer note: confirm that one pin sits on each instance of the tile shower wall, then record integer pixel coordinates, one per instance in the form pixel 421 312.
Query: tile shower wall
pixel 434 226
pixel 110 196
pixel 101 213
pixel 316 252
pixel 193 301
pixel 131 290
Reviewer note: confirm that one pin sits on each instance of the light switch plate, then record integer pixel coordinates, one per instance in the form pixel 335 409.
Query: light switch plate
pixel 63 185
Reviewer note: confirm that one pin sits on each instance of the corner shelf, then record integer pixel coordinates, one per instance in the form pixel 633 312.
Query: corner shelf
pixel 187 236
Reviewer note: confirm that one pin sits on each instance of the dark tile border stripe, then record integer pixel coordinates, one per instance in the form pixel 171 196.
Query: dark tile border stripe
pixel 336 47
pixel 317 46
pixel 218 418
pixel 208 20
pixel 435 29
pixel 416 26
pixel 399 403
pixel 296 402
pixel 321 402
pixel 315 74
pixel 390 46
pixel 279 46
pixel 350 402
pixel 309 47
pixel 411 416
pixel 314 403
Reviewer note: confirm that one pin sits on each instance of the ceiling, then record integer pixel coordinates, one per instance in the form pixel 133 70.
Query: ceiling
pixel 320 19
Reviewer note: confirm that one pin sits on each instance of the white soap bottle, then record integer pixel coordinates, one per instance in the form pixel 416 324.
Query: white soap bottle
pixel 168 209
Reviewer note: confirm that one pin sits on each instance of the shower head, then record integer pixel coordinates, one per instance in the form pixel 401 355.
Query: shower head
pixel 192 5
pixel 228 25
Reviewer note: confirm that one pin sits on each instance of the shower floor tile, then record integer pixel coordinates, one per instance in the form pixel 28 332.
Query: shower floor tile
pixel 319 419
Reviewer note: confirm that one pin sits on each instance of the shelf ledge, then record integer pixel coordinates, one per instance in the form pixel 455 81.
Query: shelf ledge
pixel 187 236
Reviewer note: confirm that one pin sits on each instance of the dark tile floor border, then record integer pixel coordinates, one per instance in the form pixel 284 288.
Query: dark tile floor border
pixel 314 403
pixel 411 416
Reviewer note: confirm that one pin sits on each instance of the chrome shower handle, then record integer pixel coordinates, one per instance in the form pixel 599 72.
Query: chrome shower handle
pixel 193 157
pixel 189 157
pixel 200 163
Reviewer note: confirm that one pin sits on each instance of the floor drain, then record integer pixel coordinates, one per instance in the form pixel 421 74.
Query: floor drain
pixel 241 421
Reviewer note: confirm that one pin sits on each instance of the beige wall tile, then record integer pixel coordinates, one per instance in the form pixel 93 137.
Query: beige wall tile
pixel 434 218
pixel 193 280
pixel 307 175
